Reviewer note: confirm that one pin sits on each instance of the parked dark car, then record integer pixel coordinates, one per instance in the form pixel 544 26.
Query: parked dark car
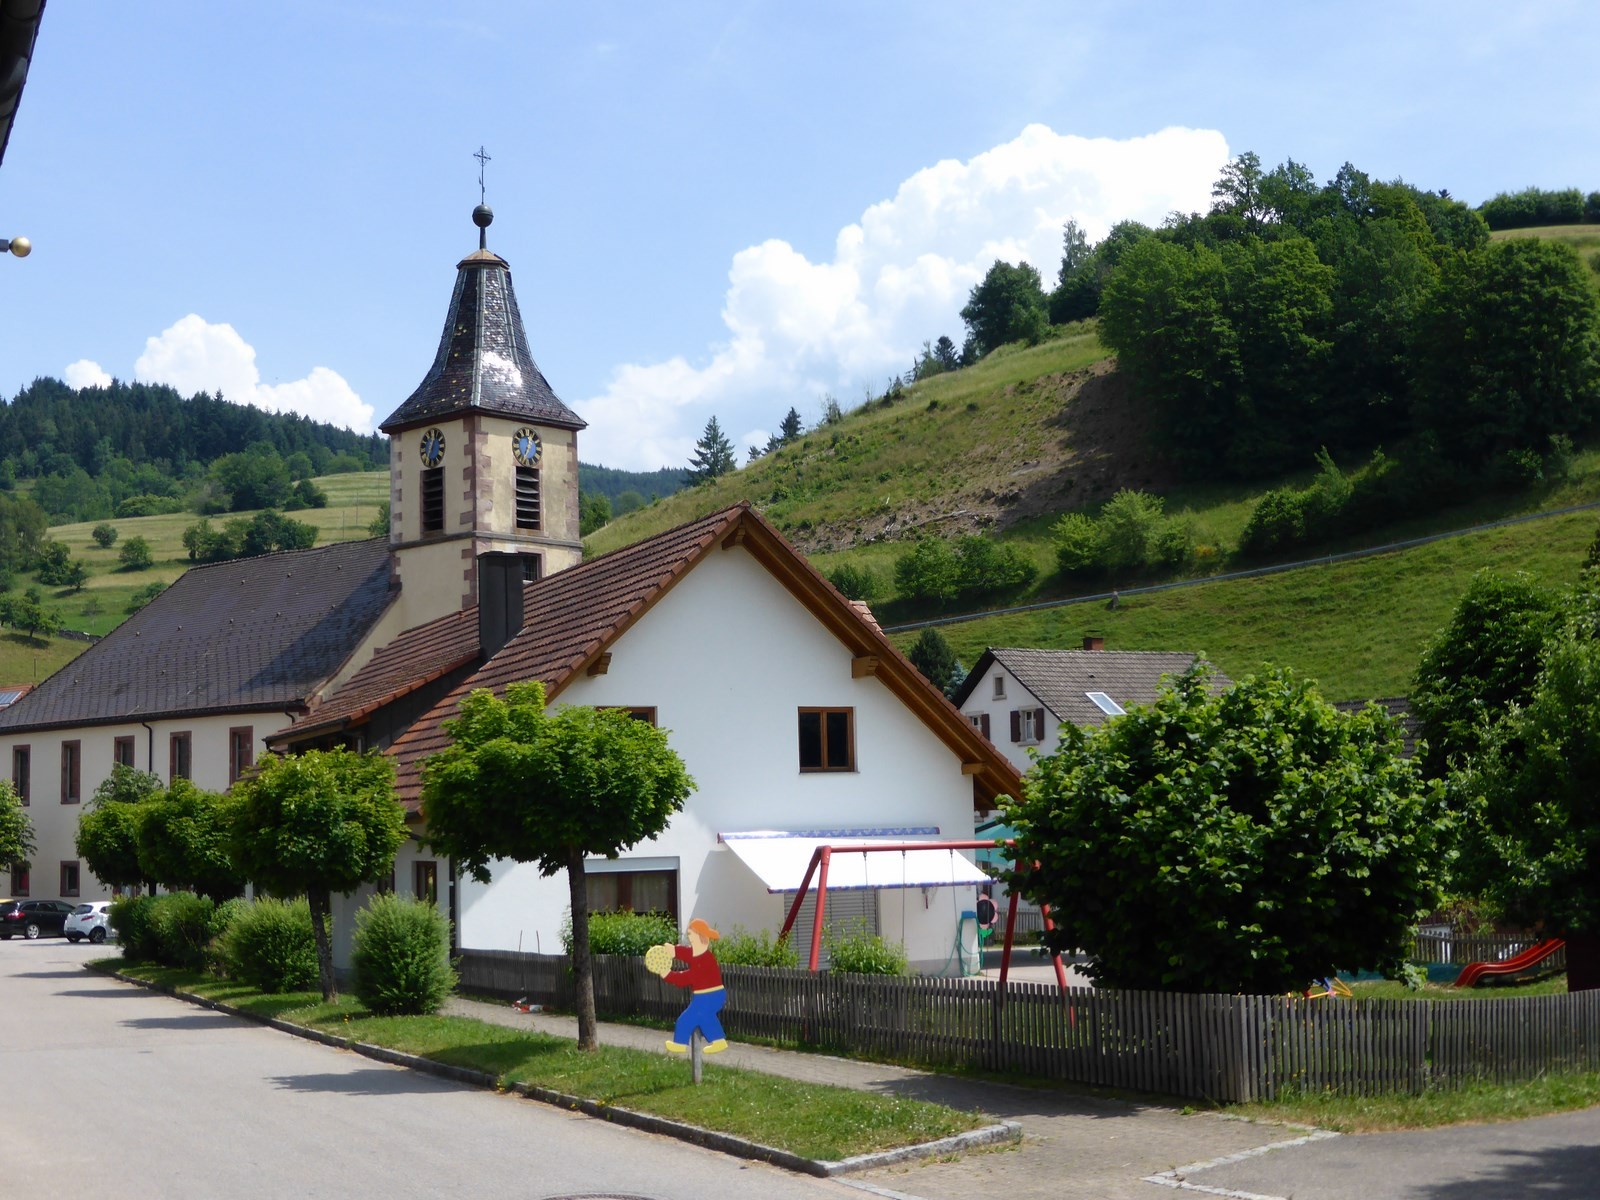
pixel 33 918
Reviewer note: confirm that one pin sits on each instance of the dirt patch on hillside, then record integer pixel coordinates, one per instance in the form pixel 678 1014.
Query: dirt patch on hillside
pixel 1094 443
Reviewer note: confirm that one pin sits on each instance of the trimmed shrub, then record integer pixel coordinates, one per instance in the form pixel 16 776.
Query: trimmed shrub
pixel 222 919
pixel 180 923
pixel 854 951
pixel 623 932
pixel 740 948
pixel 402 956
pixel 130 920
pixel 269 945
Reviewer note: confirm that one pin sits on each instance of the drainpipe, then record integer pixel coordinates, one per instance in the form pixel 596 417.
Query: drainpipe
pixel 150 748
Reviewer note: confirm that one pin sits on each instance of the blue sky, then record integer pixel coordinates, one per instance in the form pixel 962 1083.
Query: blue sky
pixel 708 209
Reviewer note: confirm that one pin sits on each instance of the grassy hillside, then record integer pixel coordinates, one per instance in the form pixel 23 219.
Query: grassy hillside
pixel 1585 239
pixel 1358 628
pixel 353 501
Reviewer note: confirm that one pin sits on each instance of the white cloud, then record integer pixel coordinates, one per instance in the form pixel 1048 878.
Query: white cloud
pixel 898 277
pixel 194 355
pixel 86 373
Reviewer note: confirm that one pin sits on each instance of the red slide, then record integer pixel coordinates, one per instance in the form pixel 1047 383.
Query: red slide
pixel 1531 957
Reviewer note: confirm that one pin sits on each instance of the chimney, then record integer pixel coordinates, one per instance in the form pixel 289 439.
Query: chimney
pixel 1091 642
pixel 499 601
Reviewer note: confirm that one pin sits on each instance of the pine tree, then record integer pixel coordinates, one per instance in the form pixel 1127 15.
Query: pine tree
pixel 933 656
pixel 713 455
pixel 792 426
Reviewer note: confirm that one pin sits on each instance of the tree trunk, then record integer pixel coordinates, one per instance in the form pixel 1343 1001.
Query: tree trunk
pixel 582 966
pixel 1583 962
pixel 321 912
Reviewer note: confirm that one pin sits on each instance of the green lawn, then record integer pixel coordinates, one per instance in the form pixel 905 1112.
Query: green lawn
pixel 812 1120
pixel 1473 1103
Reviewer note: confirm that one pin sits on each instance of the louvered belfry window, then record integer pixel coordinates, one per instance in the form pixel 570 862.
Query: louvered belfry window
pixel 432 499
pixel 527 497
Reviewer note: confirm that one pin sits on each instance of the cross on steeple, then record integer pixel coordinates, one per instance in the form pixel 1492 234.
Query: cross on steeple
pixel 482 159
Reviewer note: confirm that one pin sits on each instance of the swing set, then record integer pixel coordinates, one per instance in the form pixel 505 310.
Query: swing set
pixel 821 857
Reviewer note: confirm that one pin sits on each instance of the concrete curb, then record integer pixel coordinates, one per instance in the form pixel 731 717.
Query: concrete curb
pixel 988 1135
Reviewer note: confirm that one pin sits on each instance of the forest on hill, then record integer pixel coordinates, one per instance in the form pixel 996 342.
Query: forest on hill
pixel 87 454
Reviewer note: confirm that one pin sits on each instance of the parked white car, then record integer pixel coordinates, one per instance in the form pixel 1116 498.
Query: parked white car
pixel 91 920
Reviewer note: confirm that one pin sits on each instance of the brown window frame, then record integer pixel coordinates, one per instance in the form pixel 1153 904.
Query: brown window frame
pixel 121 745
pixel 71 771
pixel 21 881
pixel 185 739
pixel 826 763
pixel 432 497
pixel 624 881
pixel 425 880
pixel 529 499
pixel 70 891
pixel 240 747
pixel 22 772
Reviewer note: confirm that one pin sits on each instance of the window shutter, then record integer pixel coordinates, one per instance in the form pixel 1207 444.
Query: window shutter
pixel 1038 724
pixel 984 724
pixel 1016 724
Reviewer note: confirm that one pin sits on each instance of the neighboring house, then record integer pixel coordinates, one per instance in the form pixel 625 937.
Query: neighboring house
pixel 1019 698
pixel 1399 710
pixel 799 721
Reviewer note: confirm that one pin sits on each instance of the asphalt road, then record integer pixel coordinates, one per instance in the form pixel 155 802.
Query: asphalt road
pixel 110 1090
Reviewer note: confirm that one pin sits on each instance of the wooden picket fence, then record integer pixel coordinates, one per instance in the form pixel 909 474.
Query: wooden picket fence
pixel 1224 1048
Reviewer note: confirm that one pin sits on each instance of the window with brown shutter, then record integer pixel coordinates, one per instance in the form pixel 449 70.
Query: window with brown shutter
pixel 980 722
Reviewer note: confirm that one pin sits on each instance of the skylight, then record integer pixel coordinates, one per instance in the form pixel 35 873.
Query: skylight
pixel 1105 704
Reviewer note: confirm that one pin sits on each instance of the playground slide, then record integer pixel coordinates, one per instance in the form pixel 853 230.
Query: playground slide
pixel 1531 957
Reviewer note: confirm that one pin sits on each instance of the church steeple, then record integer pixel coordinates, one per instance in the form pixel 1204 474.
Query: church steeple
pixel 483 454
pixel 483 363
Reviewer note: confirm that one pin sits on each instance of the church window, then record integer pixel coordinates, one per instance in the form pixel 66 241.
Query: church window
pixel 179 757
pixel 122 751
pixel 71 765
pixel 21 771
pixel 433 500
pixel 69 878
pixel 527 497
pixel 241 751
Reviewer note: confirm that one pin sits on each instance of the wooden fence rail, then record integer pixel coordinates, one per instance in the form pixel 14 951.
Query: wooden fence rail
pixel 1463 949
pixel 1225 1048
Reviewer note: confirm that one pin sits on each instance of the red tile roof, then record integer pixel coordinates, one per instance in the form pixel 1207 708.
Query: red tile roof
pixel 571 617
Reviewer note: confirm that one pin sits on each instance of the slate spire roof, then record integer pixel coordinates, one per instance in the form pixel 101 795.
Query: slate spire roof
pixel 251 634
pixel 483 364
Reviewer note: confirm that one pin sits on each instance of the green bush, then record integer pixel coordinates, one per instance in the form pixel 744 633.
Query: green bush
pixel 1077 542
pixel 1128 526
pixel 740 948
pixel 402 956
pixel 854 951
pixel 180 924
pixel 984 565
pixel 270 946
pixel 624 932
pixel 929 571
pixel 222 919
pixel 130 920
pixel 1278 522
pixel 857 583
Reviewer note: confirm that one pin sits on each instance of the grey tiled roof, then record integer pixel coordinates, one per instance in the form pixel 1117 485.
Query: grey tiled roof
pixel 483 364
pixel 1062 679
pixel 255 633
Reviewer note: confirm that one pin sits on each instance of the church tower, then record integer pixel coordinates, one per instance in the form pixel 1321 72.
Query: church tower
pixel 483 456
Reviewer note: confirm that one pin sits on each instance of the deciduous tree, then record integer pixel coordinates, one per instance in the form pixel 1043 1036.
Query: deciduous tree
pixel 1008 306
pixel 320 822
pixel 550 789
pixel 184 841
pixel 108 831
pixel 1250 841
pixel 16 832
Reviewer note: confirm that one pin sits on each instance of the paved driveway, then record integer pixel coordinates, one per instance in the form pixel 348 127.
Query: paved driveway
pixel 108 1090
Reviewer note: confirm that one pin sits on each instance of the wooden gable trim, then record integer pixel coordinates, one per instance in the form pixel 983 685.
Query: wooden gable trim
pixel 600 665
pixel 863 666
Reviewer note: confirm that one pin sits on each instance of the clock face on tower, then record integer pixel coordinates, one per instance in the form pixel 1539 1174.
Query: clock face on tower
pixel 432 448
pixel 525 445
